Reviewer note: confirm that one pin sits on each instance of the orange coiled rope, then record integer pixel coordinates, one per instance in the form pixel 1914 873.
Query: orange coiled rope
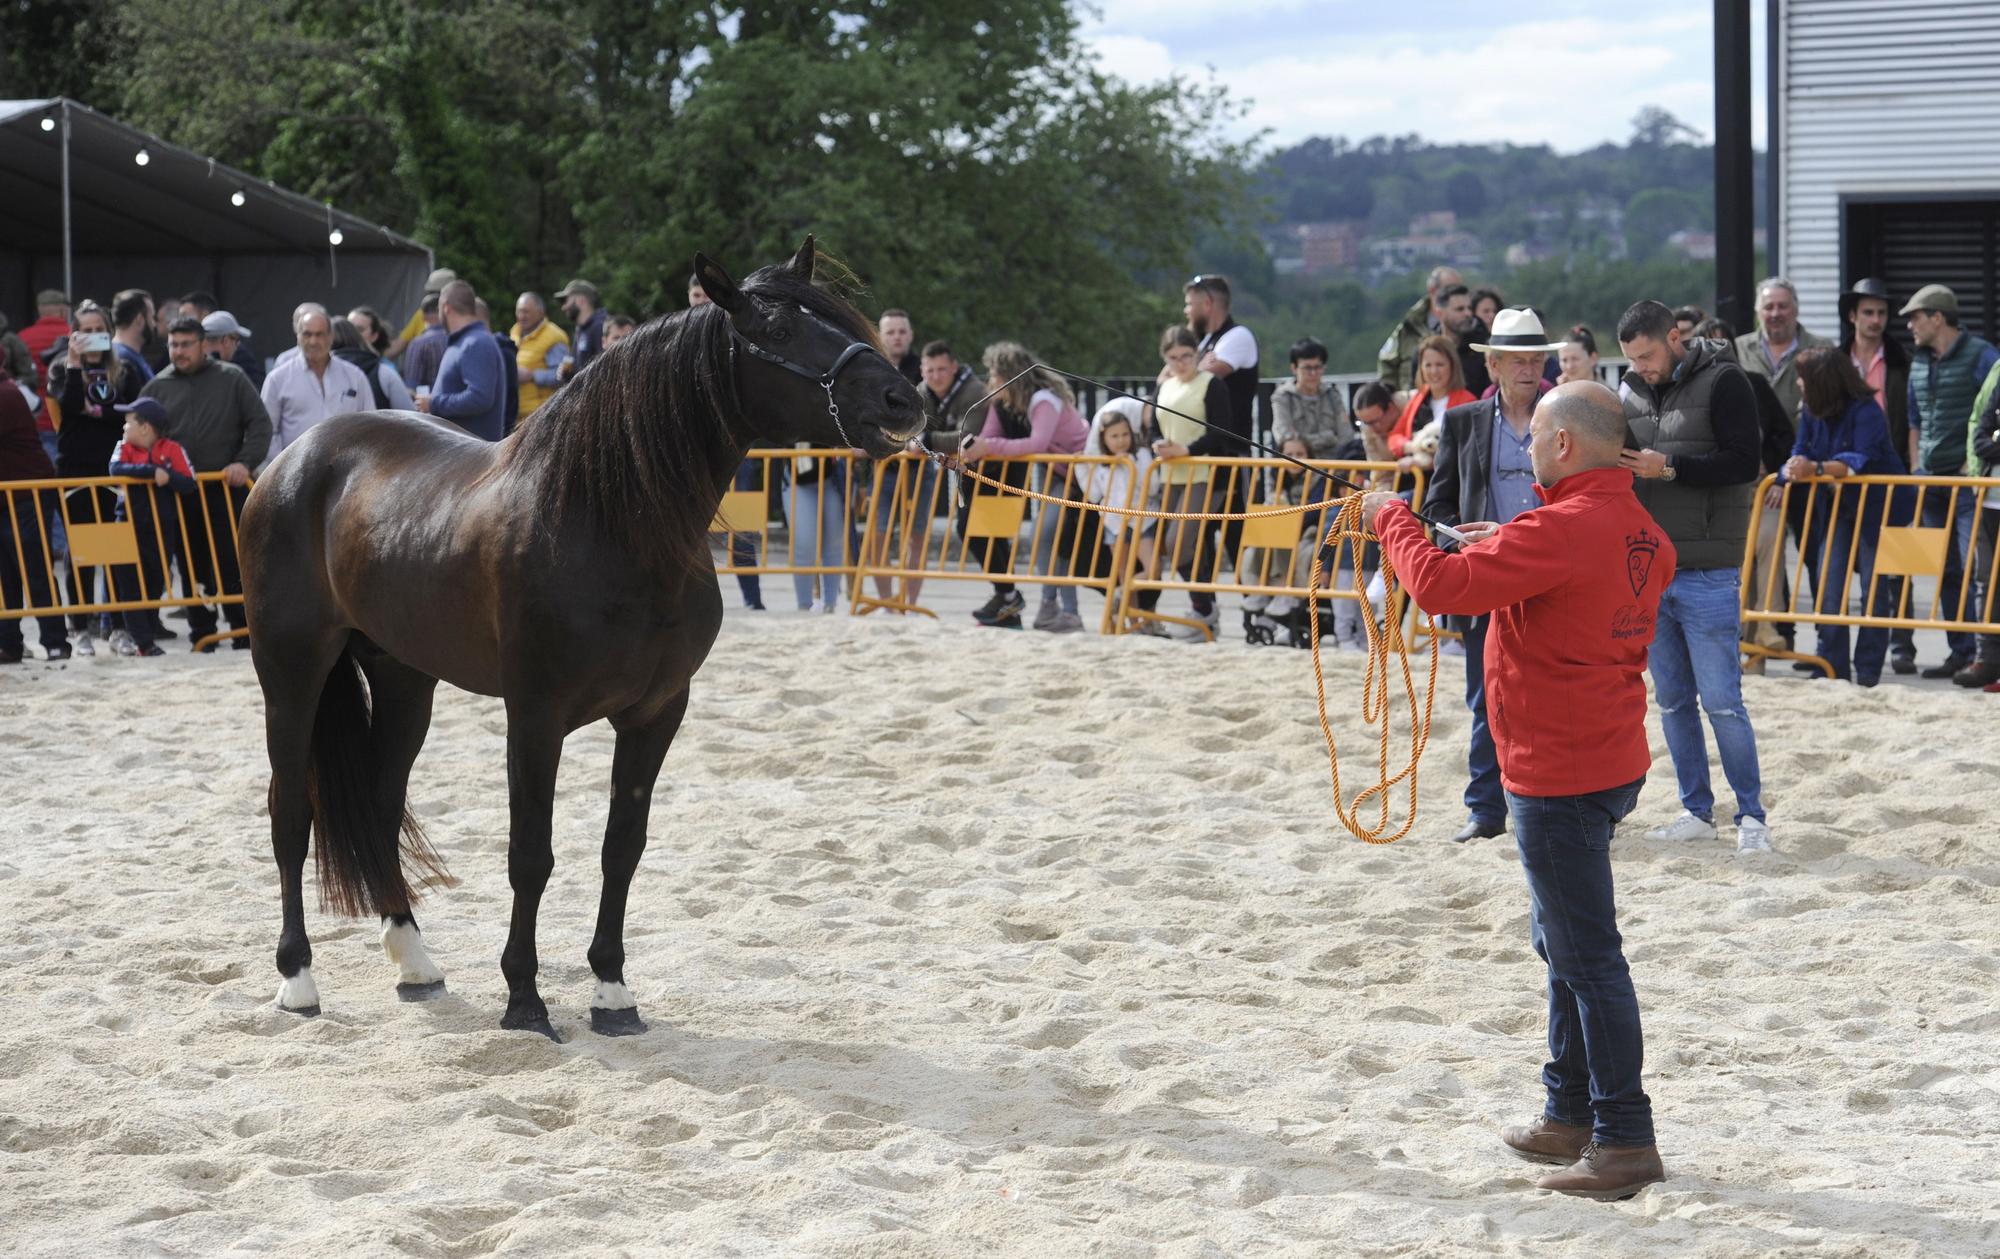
pixel 1384 641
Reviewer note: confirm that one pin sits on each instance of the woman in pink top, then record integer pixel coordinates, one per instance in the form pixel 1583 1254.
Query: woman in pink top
pixel 1035 415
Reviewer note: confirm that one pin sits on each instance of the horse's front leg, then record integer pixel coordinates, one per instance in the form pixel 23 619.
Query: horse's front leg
pixel 635 766
pixel 534 750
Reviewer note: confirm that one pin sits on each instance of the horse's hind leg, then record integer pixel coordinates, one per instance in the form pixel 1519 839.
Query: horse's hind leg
pixel 635 766
pixel 400 700
pixel 293 675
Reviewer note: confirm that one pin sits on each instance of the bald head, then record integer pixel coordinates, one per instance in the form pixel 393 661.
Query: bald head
pixel 1577 427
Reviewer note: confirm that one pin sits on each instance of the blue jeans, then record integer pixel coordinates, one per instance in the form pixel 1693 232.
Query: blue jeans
pixel 1048 559
pixel 819 537
pixel 1871 644
pixel 1694 657
pixel 743 546
pixel 1484 798
pixel 1595 1047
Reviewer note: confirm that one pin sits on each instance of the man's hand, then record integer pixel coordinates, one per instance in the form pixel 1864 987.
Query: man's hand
pixel 525 375
pixel 972 449
pixel 1836 469
pixel 1798 468
pixel 422 402
pixel 159 476
pixel 1372 505
pixel 1164 449
pixel 1644 463
pixel 1774 496
pixel 1215 365
pixel 236 474
pixel 1478 530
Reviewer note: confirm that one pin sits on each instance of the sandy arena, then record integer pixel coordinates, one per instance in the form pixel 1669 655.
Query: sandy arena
pixel 972 943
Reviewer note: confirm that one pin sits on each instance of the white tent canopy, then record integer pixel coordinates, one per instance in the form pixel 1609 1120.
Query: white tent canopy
pixel 170 226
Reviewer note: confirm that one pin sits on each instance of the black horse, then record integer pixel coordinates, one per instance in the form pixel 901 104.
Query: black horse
pixel 565 570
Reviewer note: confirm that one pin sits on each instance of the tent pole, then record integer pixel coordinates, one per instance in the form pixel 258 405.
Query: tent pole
pixel 69 290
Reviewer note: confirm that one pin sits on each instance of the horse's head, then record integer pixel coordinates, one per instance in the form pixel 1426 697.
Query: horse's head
pixel 808 365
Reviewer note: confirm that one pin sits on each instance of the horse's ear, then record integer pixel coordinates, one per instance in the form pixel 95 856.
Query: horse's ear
pixel 802 261
pixel 716 283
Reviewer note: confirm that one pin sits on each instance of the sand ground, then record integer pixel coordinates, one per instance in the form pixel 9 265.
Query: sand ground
pixel 962 942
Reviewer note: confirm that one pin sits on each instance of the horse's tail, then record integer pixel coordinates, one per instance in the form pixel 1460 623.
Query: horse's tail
pixel 362 839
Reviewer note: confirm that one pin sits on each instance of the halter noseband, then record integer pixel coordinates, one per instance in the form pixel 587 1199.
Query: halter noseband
pixel 823 379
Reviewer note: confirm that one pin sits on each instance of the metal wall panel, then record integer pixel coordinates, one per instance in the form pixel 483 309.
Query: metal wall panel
pixel 1868 106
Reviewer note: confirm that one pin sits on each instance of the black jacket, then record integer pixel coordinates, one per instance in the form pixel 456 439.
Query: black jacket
pixel 1895 386
pixel 1462 475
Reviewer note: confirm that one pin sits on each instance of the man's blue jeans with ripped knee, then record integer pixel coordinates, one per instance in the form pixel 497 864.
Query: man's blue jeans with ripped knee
pixel 1694 660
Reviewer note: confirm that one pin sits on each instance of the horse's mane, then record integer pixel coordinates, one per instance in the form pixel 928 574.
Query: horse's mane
pixel 643 441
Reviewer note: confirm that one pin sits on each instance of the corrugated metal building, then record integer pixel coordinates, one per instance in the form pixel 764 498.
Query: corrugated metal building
pixel 1888 123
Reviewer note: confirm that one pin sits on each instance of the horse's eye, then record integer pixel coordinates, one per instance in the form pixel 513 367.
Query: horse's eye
pixel 780 333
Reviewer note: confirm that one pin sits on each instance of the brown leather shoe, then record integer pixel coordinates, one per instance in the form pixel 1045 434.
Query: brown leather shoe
pixel 1546 1141
pixel 1607 1173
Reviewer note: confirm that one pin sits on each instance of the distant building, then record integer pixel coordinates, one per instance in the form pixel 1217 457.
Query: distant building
pixel 1889 153
pixel 1434 238
pixel 1694 246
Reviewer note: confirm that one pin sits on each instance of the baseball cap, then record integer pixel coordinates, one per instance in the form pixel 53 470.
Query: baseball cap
pixel 147 409
pixel 1932 297
pixel 51 297
pixel 576 288
pixel 221 323
pixel 438 279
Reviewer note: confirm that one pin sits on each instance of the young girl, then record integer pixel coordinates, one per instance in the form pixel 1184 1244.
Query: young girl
pixel 1102 549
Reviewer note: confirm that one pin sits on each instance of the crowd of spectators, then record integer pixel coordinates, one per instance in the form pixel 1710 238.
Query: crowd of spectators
pixel 163 391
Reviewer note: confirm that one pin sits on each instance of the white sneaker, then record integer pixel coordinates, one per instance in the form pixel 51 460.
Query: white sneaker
pixel 1683 829
pixel 122 643
pixel 1065 623
pixel 1047 615
pixel 1753 835
pixel 829 607
pixel 81 645
pixel 1189 634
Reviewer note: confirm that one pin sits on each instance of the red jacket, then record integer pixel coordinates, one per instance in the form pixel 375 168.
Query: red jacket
pixel 1574 587
pixel 22 457
pixel 38 337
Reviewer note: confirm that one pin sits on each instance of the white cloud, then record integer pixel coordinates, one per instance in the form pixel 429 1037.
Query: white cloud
pixel 1570 83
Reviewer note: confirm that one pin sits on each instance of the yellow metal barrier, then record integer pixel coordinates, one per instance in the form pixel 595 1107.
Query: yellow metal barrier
pixel 123 537
pixel 814 488
pixel 994 536
pixel 1881 536
pixel 1271 556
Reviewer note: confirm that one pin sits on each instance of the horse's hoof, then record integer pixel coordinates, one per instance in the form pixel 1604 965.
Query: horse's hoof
pixel 625 1022
pixel 530 1023
pixel 298 994
pixel 421 992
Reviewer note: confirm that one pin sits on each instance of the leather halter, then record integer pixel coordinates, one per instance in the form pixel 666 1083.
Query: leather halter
pixel 823 379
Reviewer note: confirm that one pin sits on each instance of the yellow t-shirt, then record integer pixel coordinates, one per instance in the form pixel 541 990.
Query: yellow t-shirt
pixel 415 328
pixel 1190 397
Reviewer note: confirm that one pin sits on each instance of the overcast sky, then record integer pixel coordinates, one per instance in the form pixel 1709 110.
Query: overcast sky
pixel 1568 73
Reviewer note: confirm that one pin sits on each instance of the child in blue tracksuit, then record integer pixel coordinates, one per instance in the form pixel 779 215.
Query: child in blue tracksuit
pixel 147 454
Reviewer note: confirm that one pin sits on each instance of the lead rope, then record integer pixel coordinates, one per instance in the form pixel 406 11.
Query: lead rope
pixel 1384 641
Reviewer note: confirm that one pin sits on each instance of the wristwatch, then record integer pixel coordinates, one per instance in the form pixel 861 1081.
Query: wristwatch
pixel 1667 469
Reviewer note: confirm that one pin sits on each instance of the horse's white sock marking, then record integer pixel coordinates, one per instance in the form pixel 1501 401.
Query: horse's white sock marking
pixel 299 992
pixel 612 996
pixel 404 945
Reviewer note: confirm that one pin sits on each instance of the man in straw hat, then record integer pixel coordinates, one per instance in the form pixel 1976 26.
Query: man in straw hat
pixel 1483 472
pixel 1573 587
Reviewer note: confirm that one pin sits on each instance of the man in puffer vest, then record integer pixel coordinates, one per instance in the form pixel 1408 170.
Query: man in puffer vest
pixel 1945 375
pixel 1692 417
pixel 539 351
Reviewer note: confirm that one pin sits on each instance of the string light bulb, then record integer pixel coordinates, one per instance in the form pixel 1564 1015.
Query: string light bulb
pixel 334 237
pixel 142 157
pixel 48 122
pixel 237 198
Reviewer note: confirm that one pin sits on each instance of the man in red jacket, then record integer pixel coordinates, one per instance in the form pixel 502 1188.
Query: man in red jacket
pixel 1574 586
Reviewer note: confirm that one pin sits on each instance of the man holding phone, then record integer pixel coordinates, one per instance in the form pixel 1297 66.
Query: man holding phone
pixel 1574 587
